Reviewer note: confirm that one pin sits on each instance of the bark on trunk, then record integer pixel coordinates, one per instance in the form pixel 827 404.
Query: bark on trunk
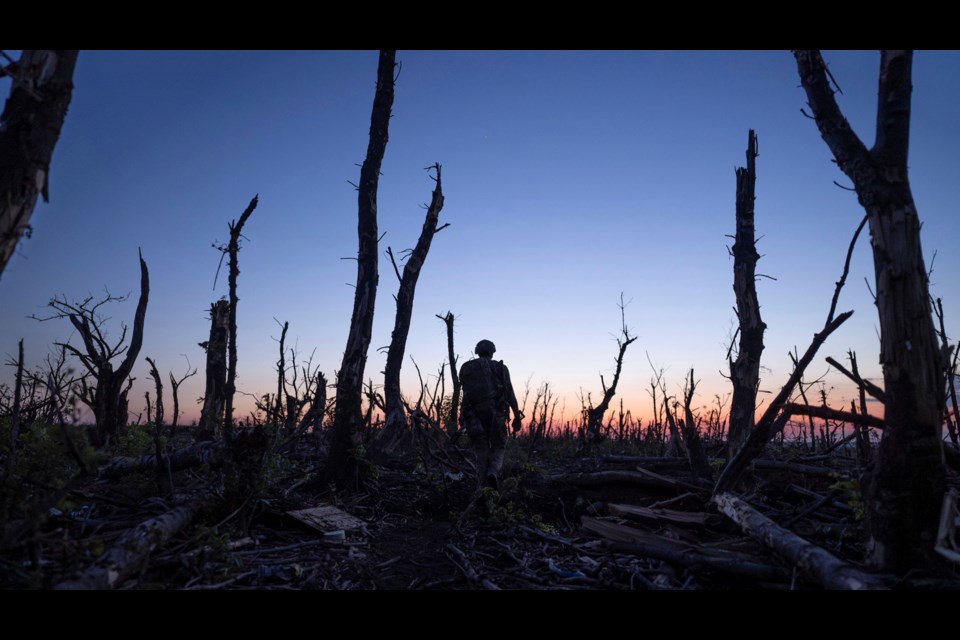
pixel 699 466
pixel 349 415
pixel 214 396
pixel 828 570
pixel 108 400
pixel 206 452
pixel 29 128
pixel 233 249
pixel 905 492
pixel 454 417
pixel 595 415
pixel 745 371
pixel 396 415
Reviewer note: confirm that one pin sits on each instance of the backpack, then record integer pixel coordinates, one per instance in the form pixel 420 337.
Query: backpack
pixel 482 382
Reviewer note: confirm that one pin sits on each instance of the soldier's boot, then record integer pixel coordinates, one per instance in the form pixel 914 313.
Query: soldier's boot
pixel 494 462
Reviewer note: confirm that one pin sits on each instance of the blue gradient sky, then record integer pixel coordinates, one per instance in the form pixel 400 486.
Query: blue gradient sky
pixel 569 177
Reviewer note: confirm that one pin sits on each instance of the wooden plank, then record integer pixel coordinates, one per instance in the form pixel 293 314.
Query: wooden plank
pixel 622 533
pixel 326 518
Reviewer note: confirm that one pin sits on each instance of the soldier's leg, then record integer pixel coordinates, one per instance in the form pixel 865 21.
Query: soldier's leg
pixel 498 442
pixel 478 443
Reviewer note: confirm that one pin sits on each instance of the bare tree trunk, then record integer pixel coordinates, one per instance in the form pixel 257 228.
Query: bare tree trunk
pixel 175 386
pixel 107 400
pixel 214 397
pixel 827 569
pixel 29 128
pixel 453 418
pixel 278 407
pixel 157 431
pixel 131 551
pixel 595 414
pixel 158 409
pixel 699 465
pixel 396 420
pixel 905 492
pixel 349 415
pixel 233 249
pixel 745 371
pixel 773 419
pixel 863 434
pixel 948 369
pixel 15 417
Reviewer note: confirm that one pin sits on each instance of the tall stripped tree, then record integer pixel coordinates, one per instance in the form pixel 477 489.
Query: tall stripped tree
pixel 745 370
pixel 233 251
pixel 29 128
pixel 396 415
pixel 903 496
pixel 107 397
pixel 348 415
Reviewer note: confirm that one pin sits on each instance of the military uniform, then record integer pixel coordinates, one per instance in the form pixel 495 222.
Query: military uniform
pixel 488 396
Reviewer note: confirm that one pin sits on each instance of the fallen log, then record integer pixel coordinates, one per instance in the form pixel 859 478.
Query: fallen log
pixel 825 568
pixel 698 519
pixel 740 565
pixel 646 479
pixel 129 553
pixel 647 461
pixel 836 504
pixel 206 452
pixel 705 486
pixel 809 469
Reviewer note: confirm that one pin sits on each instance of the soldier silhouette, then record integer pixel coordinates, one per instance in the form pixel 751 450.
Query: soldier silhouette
pixel 487 396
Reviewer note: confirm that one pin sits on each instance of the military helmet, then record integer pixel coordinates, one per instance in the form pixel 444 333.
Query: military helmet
pixel 485 347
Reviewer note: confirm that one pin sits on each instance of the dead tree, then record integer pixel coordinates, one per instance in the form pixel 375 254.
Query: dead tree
pixel 158 408
pixel 349 414
pixel 214 397
pixel 107 398
pixel 175 387
pixel 745 370
pixel 29 128
pixel 233 250
pixel 15 413
pixel 905 492
pixel 453 417
pixel 595 414
pixel 949 369
pixel 773 419
pixel 163 485
pixel 699 465
pixel 278 406
pixel 396 419
pixel 863 436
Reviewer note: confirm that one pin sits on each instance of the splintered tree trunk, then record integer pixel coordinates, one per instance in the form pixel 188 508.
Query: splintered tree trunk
pixel 211 416
pixel 233 249
pixel 453 419
pixel 699 465
pixel 745 371
pixel 905 491
pixel 29 128
pixel 349 415
pixel 396 415
pixel 595 415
